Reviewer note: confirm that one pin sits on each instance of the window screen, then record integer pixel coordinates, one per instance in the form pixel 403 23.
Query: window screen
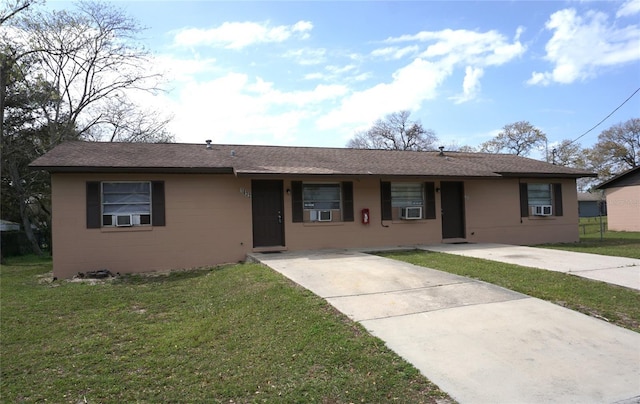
pixel 406 194
pixel 321 196
pixel 126 198
pixel 539 194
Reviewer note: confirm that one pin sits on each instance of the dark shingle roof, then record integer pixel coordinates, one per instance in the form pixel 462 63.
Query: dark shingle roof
pixel 256 160
pixel 627 178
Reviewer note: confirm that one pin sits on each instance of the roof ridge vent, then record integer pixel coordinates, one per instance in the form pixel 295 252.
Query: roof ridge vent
pixel 441 151
pixel 208 144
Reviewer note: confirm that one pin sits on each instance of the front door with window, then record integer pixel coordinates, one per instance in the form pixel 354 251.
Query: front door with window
pixel 267 213
pixel 452 199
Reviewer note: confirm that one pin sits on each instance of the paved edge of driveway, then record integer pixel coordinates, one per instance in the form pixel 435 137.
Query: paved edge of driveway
pixel 619 271
pixel 502 347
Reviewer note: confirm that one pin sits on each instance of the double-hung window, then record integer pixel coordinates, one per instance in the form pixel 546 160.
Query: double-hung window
pixel 539 194
pixel 408 197
pixel 540 199
pixel 322 202
pixel 407 200
pixel 321 196
pixel 126 203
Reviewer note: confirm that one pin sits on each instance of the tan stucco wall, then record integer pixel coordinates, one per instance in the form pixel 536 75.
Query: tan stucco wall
pixel 208 222
pixel 493 214
pixel 623 208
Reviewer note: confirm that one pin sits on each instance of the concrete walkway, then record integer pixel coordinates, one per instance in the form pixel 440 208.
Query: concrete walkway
pixel 478 342
pixel 615 270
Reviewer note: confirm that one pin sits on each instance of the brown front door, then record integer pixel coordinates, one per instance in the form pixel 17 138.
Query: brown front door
pixel 267 213
pixel 452 199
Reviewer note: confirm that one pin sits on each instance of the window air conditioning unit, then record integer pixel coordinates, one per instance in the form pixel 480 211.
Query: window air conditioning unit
pixel 411 213
pixel 324 215
pixel 541 210
pixel 124 221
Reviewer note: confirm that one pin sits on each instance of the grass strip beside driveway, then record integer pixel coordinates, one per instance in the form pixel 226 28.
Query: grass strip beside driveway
pixel 616 304
pixel 615 243
pixel 239 333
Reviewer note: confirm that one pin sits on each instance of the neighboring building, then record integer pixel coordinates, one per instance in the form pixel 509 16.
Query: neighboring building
pixel 136 207
pixel 623 201
pixel 591 204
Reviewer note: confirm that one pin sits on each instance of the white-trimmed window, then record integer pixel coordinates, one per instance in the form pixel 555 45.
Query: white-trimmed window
pixel 126 203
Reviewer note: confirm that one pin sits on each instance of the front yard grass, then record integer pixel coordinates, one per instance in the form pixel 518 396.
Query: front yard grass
pixel 616 243
pixel 616 304
pixel 232 334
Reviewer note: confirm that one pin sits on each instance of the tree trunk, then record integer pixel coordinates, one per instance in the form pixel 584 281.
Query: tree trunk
pixel 24 213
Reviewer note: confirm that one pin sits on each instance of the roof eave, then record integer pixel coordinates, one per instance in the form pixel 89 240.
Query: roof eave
pixel 133 170
pixel 612 181
pixel 547 175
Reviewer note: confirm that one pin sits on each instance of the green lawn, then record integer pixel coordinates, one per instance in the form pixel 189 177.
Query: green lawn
pixel 592 240
pixel 616 304
pixel 232 334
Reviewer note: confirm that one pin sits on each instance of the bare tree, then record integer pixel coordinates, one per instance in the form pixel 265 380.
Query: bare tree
pixel 70 75
pixel 93 60
pixel 620 144
pixel 395 132
pixel 14 7
pixel 617 150
pixel 518 138
pixel 568 153
pixel 123 121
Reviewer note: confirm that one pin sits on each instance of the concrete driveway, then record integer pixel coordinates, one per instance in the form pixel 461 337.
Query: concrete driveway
pixel 478 342
pixel 615 270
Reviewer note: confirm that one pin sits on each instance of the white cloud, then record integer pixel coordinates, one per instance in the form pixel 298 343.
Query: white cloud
pixel 450 49
pixel 629 8
pixel 394 52
pixel 303 27
pixel 184 69
pixel 237 35
pixel 419 81
pixel 470 84
pixel 307 56
pixel 483 48
pixel 469 47
pixel 580 45
pixel 341 69
pixel 411 85
pixel 336 73
pixel 237 105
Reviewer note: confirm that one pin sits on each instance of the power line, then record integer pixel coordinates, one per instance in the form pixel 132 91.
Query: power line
pixel 606 117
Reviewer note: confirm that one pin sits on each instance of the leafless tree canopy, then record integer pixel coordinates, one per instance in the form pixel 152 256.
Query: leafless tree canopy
pixel 92 57
pixel 620 144
pixel 67 75
pixel 617 150
pixel 395 132
pixel 567 153
pixel 518 138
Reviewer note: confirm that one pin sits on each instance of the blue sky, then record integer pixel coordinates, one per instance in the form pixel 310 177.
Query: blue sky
pixel 312 73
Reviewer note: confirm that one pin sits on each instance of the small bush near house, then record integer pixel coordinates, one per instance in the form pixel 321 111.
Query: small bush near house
pixel 232 334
